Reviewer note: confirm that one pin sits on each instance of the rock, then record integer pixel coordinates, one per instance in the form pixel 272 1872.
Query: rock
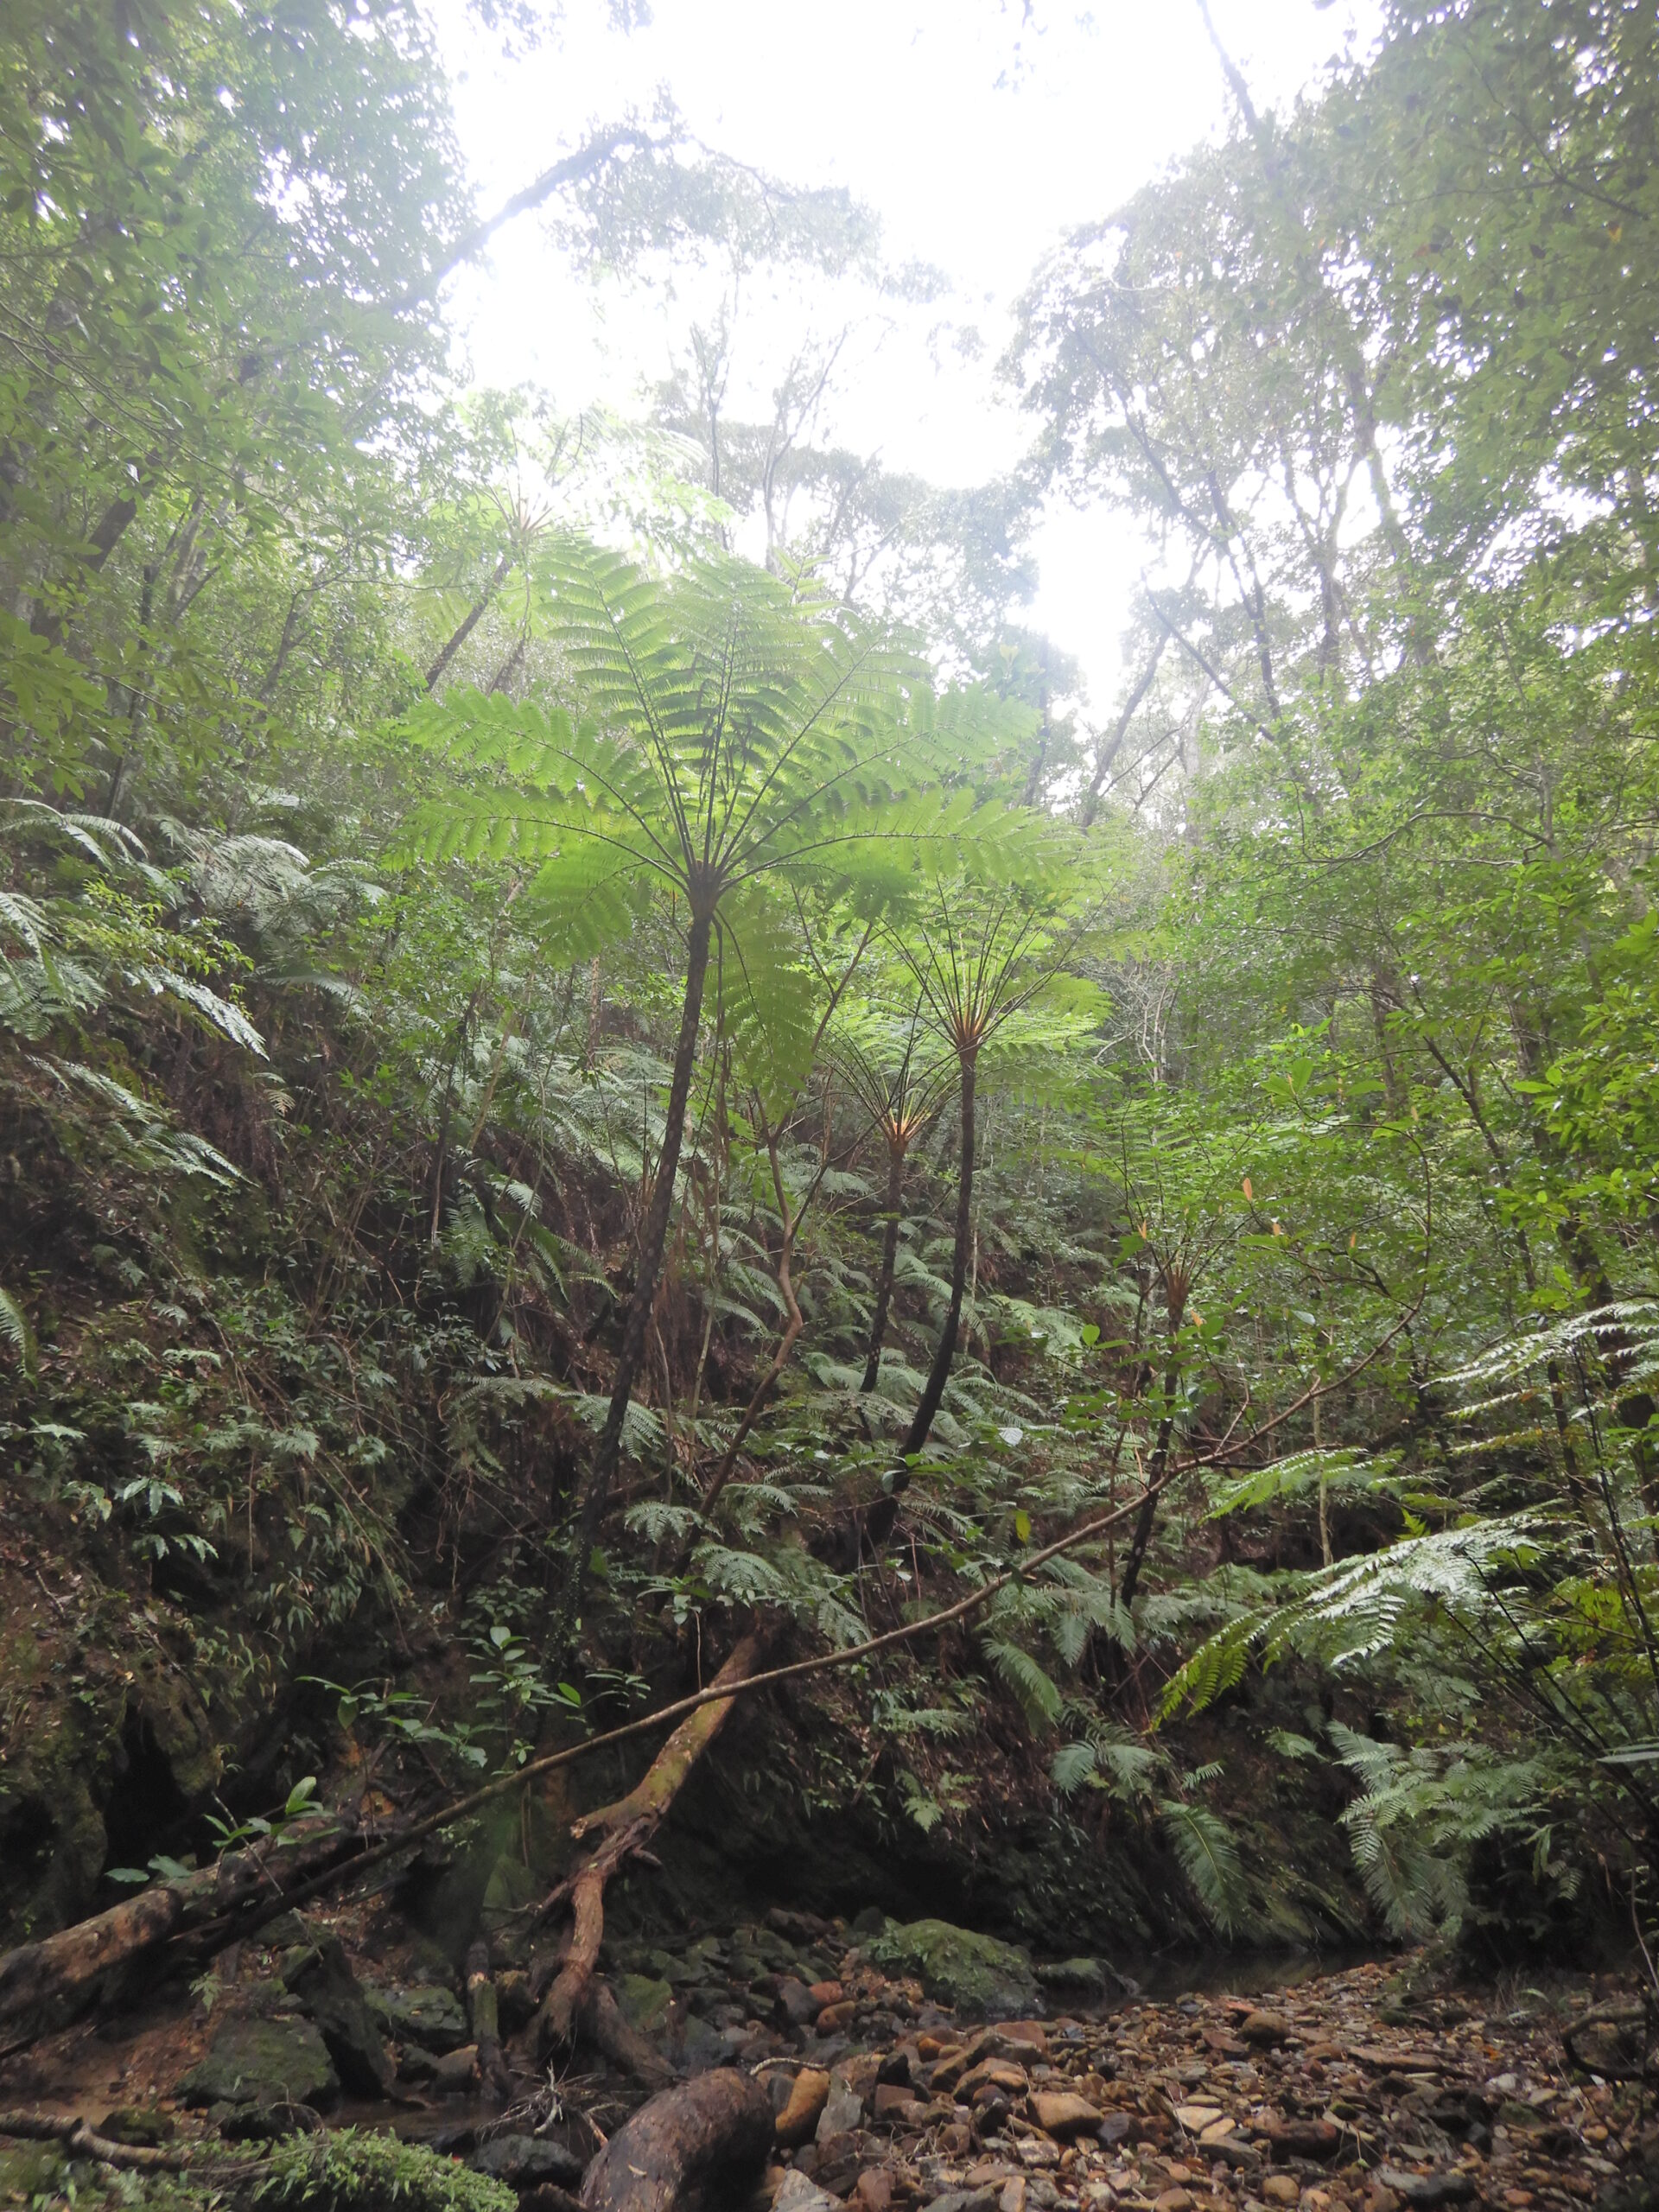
pixel 797 2121
pixel 835 2018
pixel 1086 1976
pixel 799 2193
pixel 141 2125
pixel 873 2192
pixel 523 2161
pixel 1117 2127
pixel 793 2005
pixel 643 2002
pixel 1231 2150
pixel 1452 2187
pixel 843 2109
pixel 967 2200
pixel 891 2099
pixel 1000 2073
pixel 701 2046
pixel 1020 2038
pixel 1196 2117
pixel 870 1921
pixel 977 1974
pixel 1173 2200
pixel 269 2123
pixel 1264 2028
pixel 1281 2188
pixel 896 2066
pixel 425 2014
pixel 826 1992
pixel 1303 2139
pixel 456 2070
pixel 252 2062
pixel 1063 2115
pixel 320 1976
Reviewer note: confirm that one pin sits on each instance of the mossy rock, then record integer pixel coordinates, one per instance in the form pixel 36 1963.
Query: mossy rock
pixel 424 2014
pixel 977 1974
pixel 643 2002
pixel 1085 1976
pixel 253 2062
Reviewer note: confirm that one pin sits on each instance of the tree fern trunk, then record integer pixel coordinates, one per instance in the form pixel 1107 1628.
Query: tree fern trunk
pixel 939 1374
pixel 1175 1292
pixel 652 1238
pixel 889 1260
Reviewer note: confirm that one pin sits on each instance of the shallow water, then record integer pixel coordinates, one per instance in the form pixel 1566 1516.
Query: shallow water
pixel 1215 1973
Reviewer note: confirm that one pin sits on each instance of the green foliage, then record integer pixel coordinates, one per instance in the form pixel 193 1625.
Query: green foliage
pixel 350 2170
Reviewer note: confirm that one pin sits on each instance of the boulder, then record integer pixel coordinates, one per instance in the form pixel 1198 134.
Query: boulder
pixel 425 2014
pixel 320 1976
pixel 977 1974
pixel 525 2161
pixel 252 2061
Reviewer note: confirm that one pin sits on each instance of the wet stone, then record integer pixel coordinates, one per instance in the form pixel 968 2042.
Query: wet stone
pixel 252 2061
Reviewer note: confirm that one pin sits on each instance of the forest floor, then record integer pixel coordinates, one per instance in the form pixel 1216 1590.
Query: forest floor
pixel 1338 2093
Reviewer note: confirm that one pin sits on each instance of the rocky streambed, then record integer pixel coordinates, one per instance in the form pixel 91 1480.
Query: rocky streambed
pixel 916 2065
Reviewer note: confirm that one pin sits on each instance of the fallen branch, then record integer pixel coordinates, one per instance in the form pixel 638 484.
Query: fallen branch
pixel 624 1828
pixel 82 2142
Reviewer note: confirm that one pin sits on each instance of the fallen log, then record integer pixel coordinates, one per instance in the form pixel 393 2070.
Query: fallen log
pixel 46 1984
pixel 697 2148
pixel 84 2142
pixel 624 1828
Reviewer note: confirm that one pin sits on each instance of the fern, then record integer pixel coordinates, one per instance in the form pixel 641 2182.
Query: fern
pixel 1038 1696
pixel 14 1327
pixel 1209 1855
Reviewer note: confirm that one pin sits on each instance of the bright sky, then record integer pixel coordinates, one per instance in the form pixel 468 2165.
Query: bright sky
pixel 978 140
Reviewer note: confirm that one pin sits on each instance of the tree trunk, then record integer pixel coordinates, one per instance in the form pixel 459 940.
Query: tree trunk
pixel 794 1324
pixel 939 1374
pixel 483 2013
pixel 889 1260
pixel 652 1238
pixel 703 2144
pixel 470 621
pixel 1175 1291
pixel 625 1828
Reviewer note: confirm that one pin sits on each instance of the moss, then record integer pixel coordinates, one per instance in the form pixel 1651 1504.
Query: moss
pixel 357 2171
